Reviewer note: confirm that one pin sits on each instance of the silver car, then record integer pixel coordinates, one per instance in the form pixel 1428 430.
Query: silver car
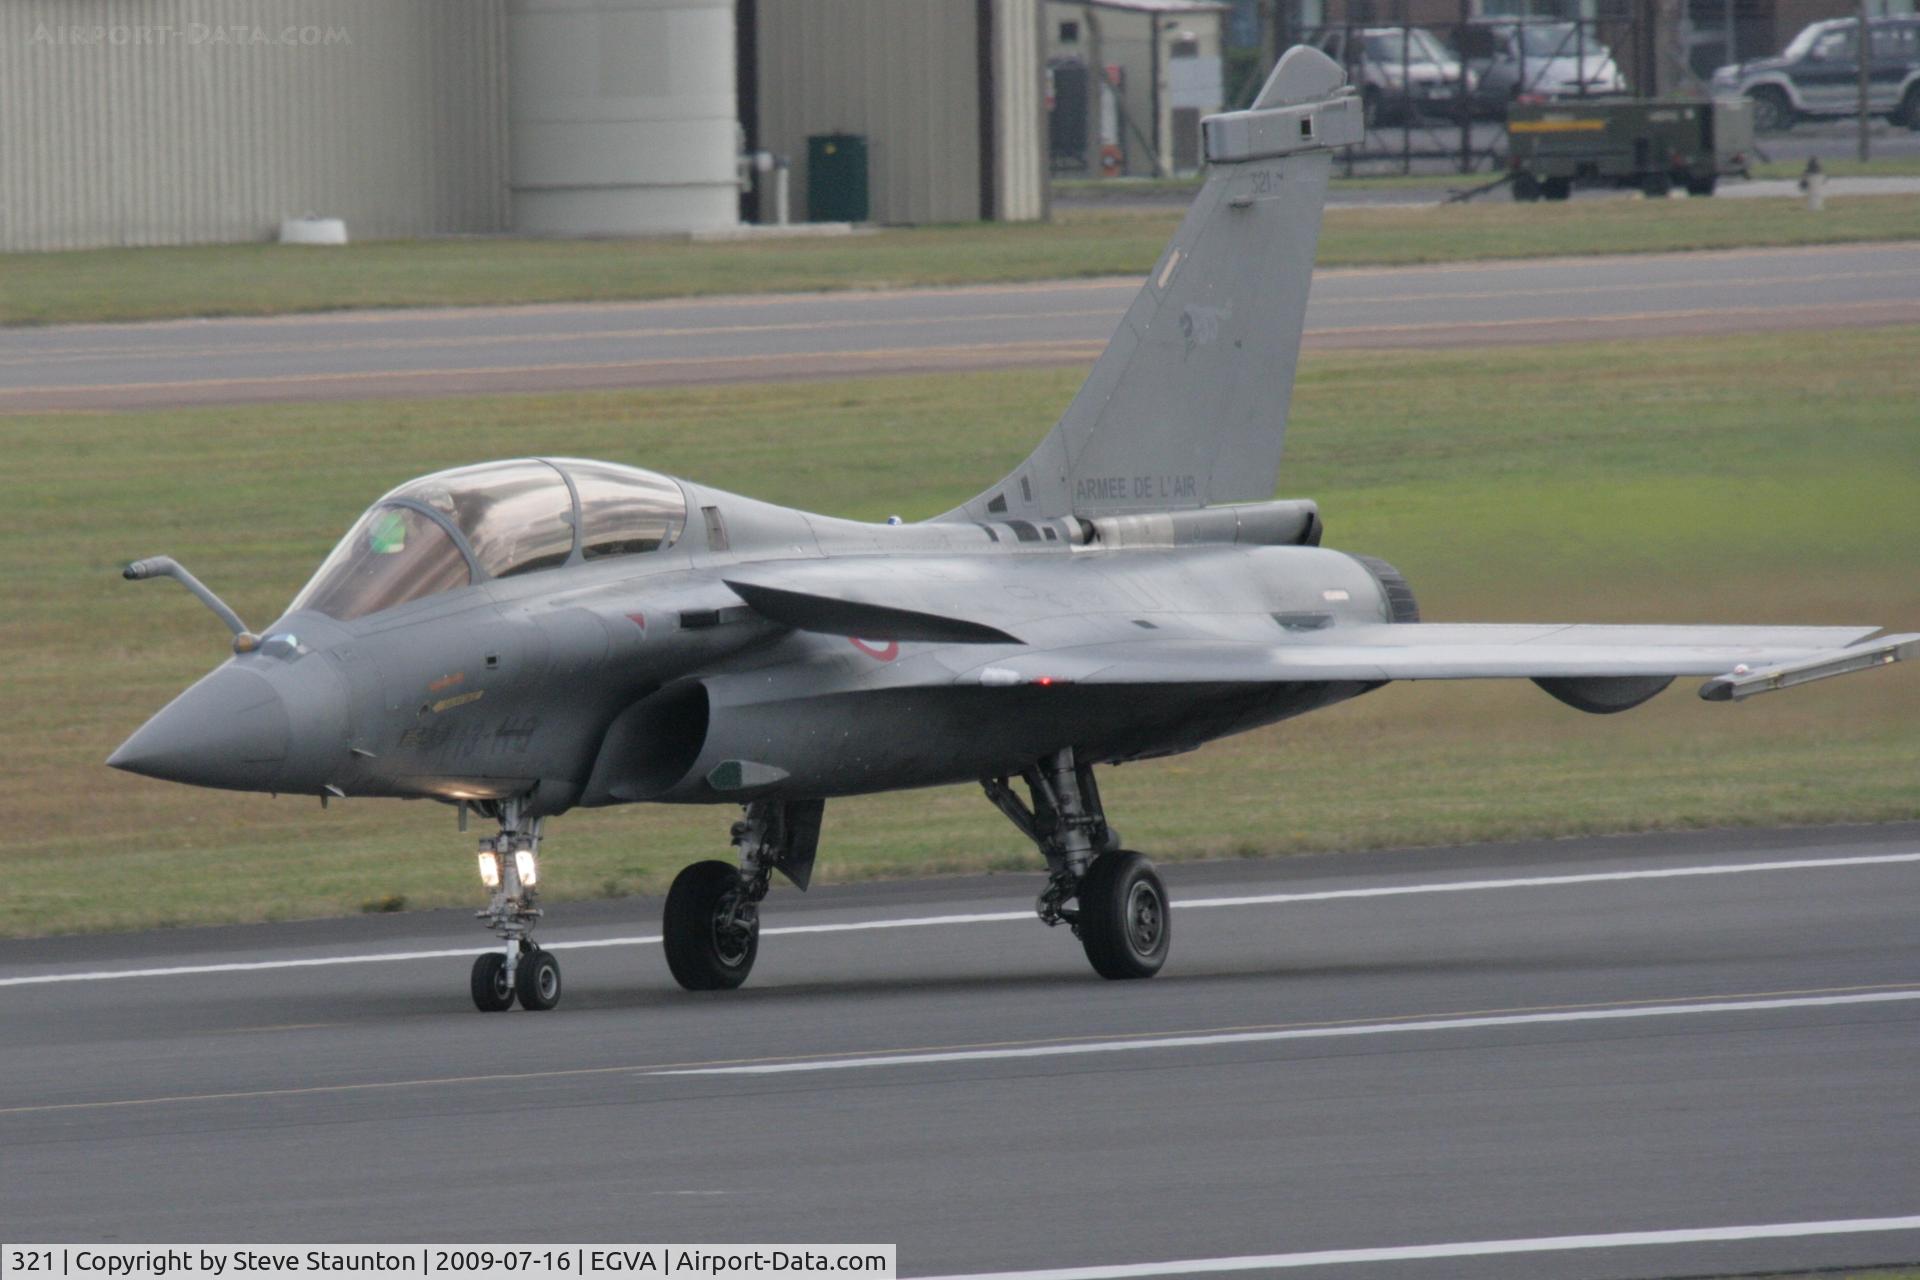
pixel 1510 59
pixel 1402 72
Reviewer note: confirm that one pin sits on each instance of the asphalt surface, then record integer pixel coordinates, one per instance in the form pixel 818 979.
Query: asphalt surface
pixel 1663 1045
pixel 352 355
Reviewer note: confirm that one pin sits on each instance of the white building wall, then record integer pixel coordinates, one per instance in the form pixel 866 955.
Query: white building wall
pixel 136 122
pixel 1020 111
pixel 622 116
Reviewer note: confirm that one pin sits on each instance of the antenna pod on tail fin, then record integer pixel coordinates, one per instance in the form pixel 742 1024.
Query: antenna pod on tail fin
pixel 1187 406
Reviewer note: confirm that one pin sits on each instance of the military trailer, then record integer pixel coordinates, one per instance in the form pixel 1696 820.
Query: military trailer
pixel 1620 142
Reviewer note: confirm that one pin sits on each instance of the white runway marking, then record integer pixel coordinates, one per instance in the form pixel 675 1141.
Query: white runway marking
pixel 1465 1249
pixel 993 917
pixel 1290 1033
pixel 1532 882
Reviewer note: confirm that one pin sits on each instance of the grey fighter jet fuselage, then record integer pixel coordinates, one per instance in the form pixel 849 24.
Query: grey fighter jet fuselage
pixel 523 638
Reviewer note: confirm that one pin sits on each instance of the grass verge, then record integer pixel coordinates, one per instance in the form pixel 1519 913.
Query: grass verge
pixel 261 279
pixel 1756 479
pixel 1841 166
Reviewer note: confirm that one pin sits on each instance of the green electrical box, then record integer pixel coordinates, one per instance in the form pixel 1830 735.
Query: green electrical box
pixel 837 177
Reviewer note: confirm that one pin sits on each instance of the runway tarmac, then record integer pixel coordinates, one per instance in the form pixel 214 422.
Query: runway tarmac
pixel 1689 1054
pixel 352 355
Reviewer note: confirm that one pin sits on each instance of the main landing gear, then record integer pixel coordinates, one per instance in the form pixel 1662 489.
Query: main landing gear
pixel 711 932
pixel 509 865
pixel 1111 897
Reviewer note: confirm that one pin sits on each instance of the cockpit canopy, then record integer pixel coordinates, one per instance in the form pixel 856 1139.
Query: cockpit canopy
pixel 494 520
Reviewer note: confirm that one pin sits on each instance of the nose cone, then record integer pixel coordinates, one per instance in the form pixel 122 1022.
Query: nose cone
pixel 229 730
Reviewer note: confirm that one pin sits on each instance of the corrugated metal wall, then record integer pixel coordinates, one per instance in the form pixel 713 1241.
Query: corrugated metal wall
pixel 128 122
pixel 903 74
pixel 1020 112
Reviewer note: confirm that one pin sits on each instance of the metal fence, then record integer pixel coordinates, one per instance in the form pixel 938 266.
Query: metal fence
pixel 1436 97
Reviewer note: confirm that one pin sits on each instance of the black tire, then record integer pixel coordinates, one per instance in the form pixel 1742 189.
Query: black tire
pixel 1702 186
pixel 1909 113
pixel 1526 187
pixel 492 993
pixel 536 980
pixel 703 954
pixel 1772 113
pixel 1556 188
pixel 1125 921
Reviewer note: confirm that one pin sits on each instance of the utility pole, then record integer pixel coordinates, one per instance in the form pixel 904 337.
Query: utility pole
pixel 1646 52
pixel 1096 92
pixel 1042 105
pixel 1466 105
pixel 1864 56
pixel 1273 39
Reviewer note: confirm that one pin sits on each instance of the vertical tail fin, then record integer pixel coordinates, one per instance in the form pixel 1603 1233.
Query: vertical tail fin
pixel 1187 406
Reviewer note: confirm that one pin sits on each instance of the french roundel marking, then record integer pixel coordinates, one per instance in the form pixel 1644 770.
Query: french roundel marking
pixel 884 652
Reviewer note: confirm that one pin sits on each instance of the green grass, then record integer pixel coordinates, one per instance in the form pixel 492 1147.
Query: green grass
pixel 1124 188
pixel 1756 479
pixel 1841 165
pixel 261 279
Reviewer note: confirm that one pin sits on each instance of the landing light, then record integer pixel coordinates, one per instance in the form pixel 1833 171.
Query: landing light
pixel 525 868
pixel 490 868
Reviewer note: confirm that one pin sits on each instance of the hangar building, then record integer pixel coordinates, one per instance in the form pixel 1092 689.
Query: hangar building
pixel 141 122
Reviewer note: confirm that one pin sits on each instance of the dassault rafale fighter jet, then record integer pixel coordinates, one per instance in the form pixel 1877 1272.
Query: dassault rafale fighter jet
pixel 520 638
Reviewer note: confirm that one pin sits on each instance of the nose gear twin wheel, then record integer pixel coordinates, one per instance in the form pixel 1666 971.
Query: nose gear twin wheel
pixel 535 981
pixel 509 866
pixel 1123 919
pixel 492 991
pixel 711 932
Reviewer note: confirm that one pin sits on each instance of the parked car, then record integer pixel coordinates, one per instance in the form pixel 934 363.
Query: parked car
pixel 1818 74
pixel 1402 72
pixel 1508 59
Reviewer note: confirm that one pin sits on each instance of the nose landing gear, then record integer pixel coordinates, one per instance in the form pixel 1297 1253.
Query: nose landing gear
pixel 509 865
pixel 1119 909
